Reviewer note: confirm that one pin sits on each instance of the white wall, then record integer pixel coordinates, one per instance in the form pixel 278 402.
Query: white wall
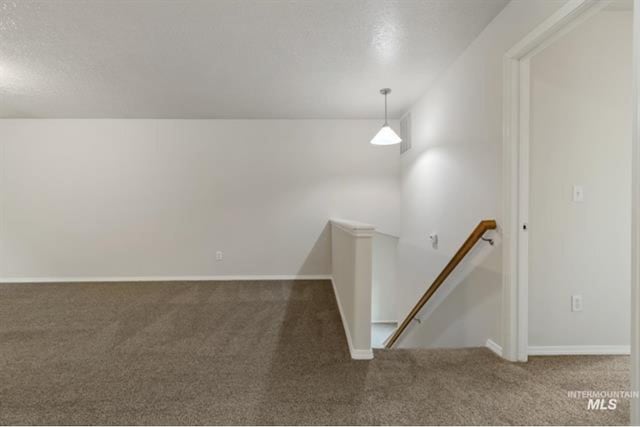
pixel 451 179
pixel 384 279
pixel 581 135
pixel 130 198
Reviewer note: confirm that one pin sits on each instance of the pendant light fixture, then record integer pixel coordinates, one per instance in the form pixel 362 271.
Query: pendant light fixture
pixel 386 135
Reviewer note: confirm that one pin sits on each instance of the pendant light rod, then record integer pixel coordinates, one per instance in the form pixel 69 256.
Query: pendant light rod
pixel 385 92
pixel 386 135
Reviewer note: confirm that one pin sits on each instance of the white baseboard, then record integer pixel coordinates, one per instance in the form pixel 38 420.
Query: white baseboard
pixel 355 353
pixel 554 350
pixel 361 354
pixel 493 346
pixel 385 321
pixel 162 278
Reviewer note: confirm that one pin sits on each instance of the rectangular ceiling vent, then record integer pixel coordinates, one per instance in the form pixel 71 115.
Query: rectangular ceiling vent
pixel 405 133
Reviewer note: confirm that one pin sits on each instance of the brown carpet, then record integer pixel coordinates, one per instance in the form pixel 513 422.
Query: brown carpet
pixel 257 353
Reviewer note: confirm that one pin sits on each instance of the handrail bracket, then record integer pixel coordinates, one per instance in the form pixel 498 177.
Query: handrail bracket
pixel 486 239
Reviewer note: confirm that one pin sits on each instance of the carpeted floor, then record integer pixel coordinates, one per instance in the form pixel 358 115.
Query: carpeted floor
pixel 257 353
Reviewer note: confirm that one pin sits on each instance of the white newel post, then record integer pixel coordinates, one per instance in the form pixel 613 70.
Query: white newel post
pixel 351 257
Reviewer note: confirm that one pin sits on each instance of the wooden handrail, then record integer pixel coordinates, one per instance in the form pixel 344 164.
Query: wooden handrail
pixel 478 232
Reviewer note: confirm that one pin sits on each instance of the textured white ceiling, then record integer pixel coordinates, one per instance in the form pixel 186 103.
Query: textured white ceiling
pixel 227 58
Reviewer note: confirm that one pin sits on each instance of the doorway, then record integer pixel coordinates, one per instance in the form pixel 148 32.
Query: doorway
pixel 516 137
pixel 579 192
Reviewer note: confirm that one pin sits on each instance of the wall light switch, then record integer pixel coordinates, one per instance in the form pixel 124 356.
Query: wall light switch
pixel 219 256
pixel 578 193
pixel 576 303
pixel 434 240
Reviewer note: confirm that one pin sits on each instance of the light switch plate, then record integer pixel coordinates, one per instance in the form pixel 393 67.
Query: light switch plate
pixel 578 193
pixel 434 240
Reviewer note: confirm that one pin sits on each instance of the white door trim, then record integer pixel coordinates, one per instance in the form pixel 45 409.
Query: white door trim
pixel 635 222
pixel 516 169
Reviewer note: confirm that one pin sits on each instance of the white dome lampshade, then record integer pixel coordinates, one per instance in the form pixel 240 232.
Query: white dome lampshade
pixel 386 135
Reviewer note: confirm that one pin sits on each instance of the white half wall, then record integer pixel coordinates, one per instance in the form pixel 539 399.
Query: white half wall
pixel 159 198
pixel 452 178
pixel 581 136
pixel 351 253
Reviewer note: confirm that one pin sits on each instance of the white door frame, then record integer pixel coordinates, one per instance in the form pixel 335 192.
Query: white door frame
pixel 635 221
pixel 516 115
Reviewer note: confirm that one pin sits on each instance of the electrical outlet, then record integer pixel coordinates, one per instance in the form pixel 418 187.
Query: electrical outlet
pixel 219 256
pixel 576 303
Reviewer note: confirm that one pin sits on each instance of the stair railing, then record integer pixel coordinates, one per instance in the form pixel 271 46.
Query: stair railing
pixel 478 232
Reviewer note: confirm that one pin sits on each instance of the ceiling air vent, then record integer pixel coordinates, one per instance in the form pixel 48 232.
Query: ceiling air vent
pixel 405 133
